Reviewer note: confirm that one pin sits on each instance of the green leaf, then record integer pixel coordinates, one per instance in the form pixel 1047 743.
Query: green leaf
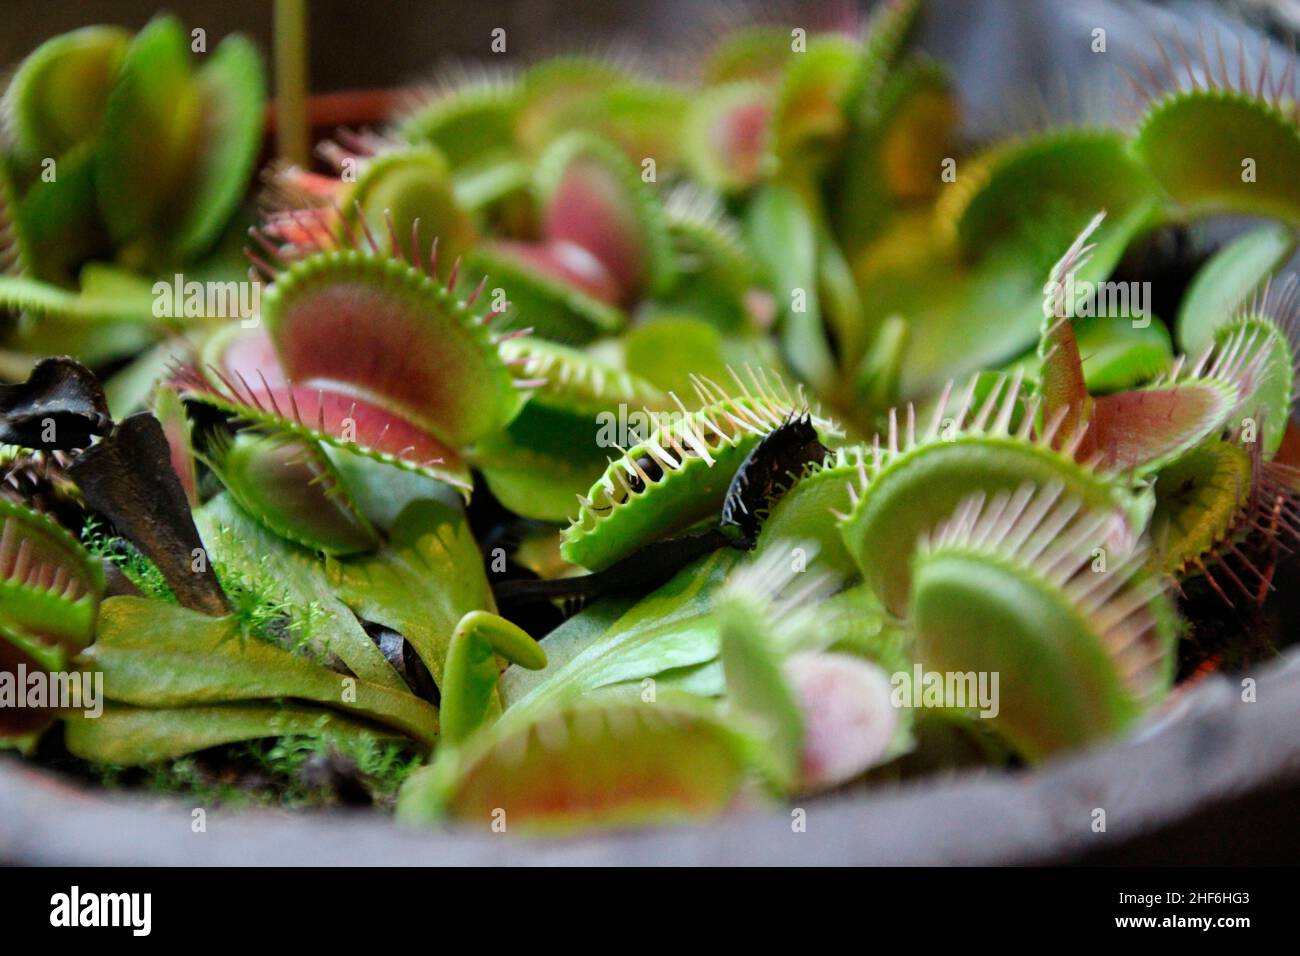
pixel 105 298
pixel 56 98
pixel 159 655
pixel 470 682
pixel 232 99
pixel 783 233
pixel 134 736
pixel 757 689
pixel 1226 282
pixel 670 628
pixel 178 144
pixel 894 153
pixel 55 225
pixel 151 128
pixel 422 583
pixel 563 644
pixel 667 349
pixel 382 492
pixel 1119 353
pixel 246 551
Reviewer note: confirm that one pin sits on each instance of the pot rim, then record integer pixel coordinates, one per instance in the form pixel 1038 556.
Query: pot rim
pixel 1208 750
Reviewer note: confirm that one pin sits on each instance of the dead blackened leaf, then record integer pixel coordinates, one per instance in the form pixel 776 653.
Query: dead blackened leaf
pixel 61 405
pixel 128 477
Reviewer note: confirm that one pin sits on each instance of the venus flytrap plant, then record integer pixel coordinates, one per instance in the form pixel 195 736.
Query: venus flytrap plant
pixel 125 162
pixel 608 93
pixel 717 271
pixel 376 180
pixel 915 475
pixel 50 593
pixel 52 587
pixel 590 198
pixel 294 489
pixel 1009 585
pixel 824 715
pixel 1136 431
pixel 1227 281
pixel 999 227
pixel 603 243
pixel 1262 339
pixel 415 490
pixel 1217 138
pixel 594 764
pixel 728 137
pixel 1184 430
pixel 1200 499
pixel 808 510
pixel 551 453
pixel 467 112
pixel 680 473
pixel 454 388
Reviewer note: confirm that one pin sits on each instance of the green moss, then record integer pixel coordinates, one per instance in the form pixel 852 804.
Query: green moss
pixel 123 555
pixel 270 772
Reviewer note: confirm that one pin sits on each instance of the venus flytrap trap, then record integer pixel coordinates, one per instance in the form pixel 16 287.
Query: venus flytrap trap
pixel 636 501
pixel 587 765
pixel 603 243
pixel 467 112
pixel 1227 281
pixel 1217 138
pixel 1021 567
pixel 823 714
pixel 420 421
pixel 376 179
pixel 914 477
pixel 438 495
pixel 557 446
pixel 126 160
pixel 54 586
pixel 294 489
